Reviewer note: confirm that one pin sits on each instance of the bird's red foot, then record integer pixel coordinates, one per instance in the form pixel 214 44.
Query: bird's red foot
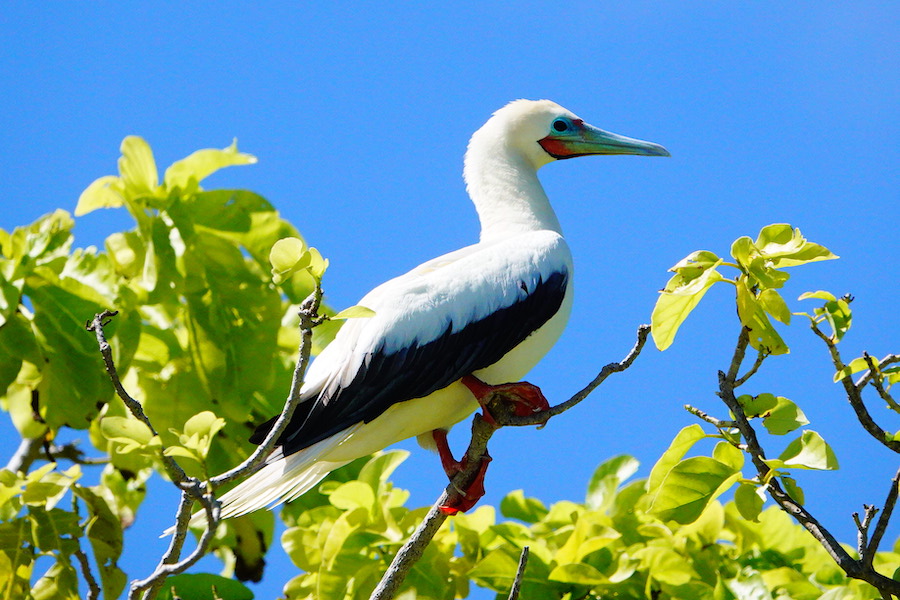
pixel 528 398
pixel 470 496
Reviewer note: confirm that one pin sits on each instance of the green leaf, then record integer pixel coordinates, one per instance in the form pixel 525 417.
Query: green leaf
pixel 516 506
pixel 780 415
pixel 601 491
pixel 786 247
pixel 784 418
pixel 683 442
pixel 137 167
pixel 820 295
pixel 124 429
pixel 794 490
pixel 203 163
pixel 763 335
pixel 676 302
pixel 354 312
pixel 203 586
pixel 856 365
pixel 774 304
pixel 352 495
pixel 288 256
pixel 104 192
pixel 757 406
pixel 839 316
pixel 749 500
pixel 578 574
pixel 742 249
pixel 809 451
pixel 317 264
pixel 689 486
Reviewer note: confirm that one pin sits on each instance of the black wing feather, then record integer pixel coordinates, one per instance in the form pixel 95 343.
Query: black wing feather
pixel 417 371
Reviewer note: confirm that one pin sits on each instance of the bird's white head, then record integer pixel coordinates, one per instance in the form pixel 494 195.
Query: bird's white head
pixel 504 155
pixel 541 131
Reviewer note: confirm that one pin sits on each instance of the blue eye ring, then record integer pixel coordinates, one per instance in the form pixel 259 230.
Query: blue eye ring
pixel 561 125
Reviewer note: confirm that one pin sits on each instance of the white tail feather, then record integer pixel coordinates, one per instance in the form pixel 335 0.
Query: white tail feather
pixel 281 479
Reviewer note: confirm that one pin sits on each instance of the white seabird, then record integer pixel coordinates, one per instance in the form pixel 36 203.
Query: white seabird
pixel 485 313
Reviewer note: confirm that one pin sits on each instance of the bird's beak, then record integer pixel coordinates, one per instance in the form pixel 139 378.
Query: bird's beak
pixel 585 140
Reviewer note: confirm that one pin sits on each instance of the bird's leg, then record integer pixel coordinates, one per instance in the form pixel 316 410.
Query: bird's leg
pixel 527 398
pixel 472 494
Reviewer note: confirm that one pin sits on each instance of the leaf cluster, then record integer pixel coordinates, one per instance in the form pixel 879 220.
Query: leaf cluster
pixel 629 539
pixel 204 340
pixel 760 265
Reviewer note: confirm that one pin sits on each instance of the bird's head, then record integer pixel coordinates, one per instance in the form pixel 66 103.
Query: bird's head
pixel 542 131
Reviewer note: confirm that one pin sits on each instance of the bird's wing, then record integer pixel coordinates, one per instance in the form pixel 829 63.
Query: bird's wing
pixel 439 322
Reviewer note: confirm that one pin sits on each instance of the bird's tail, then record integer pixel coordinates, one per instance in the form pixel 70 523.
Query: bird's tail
pixel 281 479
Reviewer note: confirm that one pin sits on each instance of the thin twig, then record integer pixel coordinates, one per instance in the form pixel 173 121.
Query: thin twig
pixel 175 472
pixel 93 587
pixel 520 575
pixel 25 454
pixel 541 417
pixel 878 383
pixel 854 396
pixel 152 583
pixel 881 525
pixel 862 528
pixel 717 423
pixel 761 356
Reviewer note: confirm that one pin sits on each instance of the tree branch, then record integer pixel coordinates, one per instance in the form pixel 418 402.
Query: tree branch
pixel 502 411
pixel 93 588
pixel 520 575
pixel 26 453
pixel 539 418
pixel 854 396
pixel 853 568
pixel 175 472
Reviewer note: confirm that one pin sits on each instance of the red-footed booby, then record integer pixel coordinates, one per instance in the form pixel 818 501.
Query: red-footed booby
pixel 450 329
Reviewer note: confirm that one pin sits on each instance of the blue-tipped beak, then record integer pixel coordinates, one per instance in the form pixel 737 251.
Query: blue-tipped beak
pixel 585 140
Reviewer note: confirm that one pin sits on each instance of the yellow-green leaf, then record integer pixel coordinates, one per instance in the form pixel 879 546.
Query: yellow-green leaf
pixel 684 441
pixel 676 302
pixel 137 167
pixel 355 312
pixel 774 304
pixel 689 486
pixel 203 163
pixel 809 451
pixel 104 192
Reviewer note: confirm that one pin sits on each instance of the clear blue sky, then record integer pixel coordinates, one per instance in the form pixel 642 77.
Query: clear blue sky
pixel 773 112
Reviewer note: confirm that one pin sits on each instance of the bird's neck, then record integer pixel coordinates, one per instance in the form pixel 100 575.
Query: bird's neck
pixel 507 194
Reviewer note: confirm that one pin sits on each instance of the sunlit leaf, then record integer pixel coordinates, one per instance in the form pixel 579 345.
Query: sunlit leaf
pixel 809 451
pixel 607 478
pixel 683 442
pixel 749 500
pixel 676 302
pixel 689 486
pixel 137 167
pixel 203 163
pixel 774 304
pixel 203 586
pixel 516 506
pixel 104 192
pixel 355 312
pixel 786 247
pixel 821 295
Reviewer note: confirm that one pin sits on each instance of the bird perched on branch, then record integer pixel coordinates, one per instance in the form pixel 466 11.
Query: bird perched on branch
pixel 445 335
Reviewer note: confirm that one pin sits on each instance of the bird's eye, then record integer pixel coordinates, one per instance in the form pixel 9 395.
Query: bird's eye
pixel 560 125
